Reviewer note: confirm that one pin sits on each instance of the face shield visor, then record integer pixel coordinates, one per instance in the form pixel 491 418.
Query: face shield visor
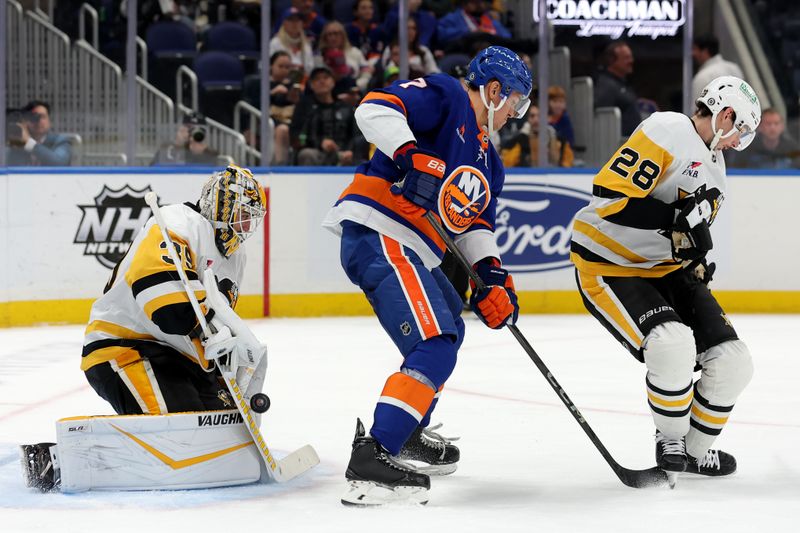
pixel 746 136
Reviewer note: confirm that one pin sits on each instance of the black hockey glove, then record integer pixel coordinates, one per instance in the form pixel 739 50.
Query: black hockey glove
pixel 702 270
pixel 422 175
pixel 691 236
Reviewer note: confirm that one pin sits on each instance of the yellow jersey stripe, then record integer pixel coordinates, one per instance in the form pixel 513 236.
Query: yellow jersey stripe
pixel 115 330
pixel 607 242
pixel 123 355
pixel 169 299
pixel 613 208
pixel 602 300
pixel 608 269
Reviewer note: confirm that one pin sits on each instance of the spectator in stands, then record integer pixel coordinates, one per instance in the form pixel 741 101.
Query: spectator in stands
pixel 771 148
pixel 710 63
pixel 285 92
pixel 190 146
pixel 522 150
pixel 313 22
pixel 426 22
pixel 557 115
pixel 611 88
pixel 334 38
pixel 472 20
pixel 31 140
pixel 292 40
pixel 364 34
pixel 420 59
pixel 323 129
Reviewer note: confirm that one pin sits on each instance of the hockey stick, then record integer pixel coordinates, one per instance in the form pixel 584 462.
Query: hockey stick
pixel 632 478
pixel 293 464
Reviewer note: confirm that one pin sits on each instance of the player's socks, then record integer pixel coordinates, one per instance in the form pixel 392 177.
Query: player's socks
pixel 714 463
pixel 670 453
pixel 374 477
pixel 39 467
pixel 437 452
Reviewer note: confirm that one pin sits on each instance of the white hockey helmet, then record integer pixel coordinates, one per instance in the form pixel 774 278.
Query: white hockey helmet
pixel 733 92
pixel 235 204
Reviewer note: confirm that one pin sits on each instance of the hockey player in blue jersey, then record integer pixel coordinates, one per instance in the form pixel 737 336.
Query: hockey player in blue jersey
pixel 433 154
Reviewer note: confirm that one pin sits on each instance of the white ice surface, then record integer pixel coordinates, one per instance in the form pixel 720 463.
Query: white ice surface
pixel 526 464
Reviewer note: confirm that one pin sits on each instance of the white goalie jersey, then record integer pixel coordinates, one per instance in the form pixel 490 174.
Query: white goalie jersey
pixel 625 229
pixel 145 301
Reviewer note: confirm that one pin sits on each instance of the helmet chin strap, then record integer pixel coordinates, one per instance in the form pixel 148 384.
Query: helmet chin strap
pixel 491 108
pixel 718 135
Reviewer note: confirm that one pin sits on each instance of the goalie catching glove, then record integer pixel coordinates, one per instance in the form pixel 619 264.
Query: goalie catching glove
pixel 691 234
pixel 496 304
pixel 422 175
pixel 231 342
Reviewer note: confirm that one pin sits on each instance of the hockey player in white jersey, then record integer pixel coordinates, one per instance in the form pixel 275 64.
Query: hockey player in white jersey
pixel 640 248
pixel 144 353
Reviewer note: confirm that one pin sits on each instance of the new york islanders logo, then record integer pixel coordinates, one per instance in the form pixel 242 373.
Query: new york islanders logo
pixel 463 197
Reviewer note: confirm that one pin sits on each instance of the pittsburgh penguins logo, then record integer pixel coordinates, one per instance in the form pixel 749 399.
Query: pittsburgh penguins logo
pixel 463 197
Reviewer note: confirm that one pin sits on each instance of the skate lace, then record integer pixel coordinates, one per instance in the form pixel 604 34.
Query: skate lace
pixel 434 440
pixel 395 462
pixel 673 447
pixel 710 460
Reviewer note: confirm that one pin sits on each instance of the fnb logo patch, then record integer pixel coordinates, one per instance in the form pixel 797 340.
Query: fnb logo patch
pixel 463 197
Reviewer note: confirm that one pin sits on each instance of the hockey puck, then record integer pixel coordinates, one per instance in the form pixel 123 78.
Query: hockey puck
pixel 259 402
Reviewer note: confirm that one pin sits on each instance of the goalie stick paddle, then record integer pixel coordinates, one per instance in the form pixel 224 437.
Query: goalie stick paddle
pixel 632 478
pixel 294 464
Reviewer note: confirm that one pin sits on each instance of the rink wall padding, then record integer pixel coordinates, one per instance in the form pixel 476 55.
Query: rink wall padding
pixel 61 232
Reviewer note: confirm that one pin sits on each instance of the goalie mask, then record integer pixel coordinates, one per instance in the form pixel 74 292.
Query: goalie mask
pixel 235 204
pixel 733 92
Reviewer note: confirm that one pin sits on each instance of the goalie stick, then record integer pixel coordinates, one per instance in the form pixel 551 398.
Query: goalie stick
pixel 632 478
pixel 294 464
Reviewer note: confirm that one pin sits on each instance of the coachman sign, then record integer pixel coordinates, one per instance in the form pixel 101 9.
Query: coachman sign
pixel 616 18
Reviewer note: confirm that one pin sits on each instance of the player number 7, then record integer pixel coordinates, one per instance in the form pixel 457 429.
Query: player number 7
pixel 419 83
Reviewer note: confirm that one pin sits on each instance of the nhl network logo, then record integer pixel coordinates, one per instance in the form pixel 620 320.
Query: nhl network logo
pixel 108 227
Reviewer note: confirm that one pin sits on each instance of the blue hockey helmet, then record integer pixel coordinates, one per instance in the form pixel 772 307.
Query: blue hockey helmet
pixel 501 64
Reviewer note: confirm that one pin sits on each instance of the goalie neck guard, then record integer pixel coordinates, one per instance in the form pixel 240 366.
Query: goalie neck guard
pixel 235 204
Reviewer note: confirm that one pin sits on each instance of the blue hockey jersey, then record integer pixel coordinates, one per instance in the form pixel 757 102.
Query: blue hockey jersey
pixel 441 117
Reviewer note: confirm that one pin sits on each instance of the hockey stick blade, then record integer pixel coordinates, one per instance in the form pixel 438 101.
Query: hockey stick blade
pixel 641 479
pixel 631 478
pixel 298 462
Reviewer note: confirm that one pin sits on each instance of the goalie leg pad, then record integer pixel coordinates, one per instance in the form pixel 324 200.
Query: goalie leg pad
pixel 153 452
pixel 727 369
pixel 669 353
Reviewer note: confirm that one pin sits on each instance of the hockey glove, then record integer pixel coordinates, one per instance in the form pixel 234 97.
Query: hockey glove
pixel 422 175
pixel 702 270
pixel 232 352
pixel 496 305
pixel 691 236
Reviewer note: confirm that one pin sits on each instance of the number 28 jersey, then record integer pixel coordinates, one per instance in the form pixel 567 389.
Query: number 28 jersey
pixel 625 229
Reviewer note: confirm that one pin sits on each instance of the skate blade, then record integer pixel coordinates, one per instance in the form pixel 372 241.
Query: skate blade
pixel 432 470
pixel 369 494
pixel 672 478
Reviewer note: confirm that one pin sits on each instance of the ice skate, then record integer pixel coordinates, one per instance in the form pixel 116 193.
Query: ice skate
pixel 714 463
pixel 39 467
pixel 438 455
pixel 374 477
pixel 671 457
